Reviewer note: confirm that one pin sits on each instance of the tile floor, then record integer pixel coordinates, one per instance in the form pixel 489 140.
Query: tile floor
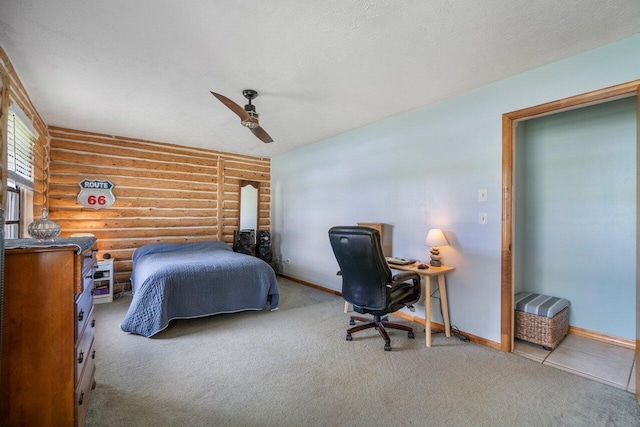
pixel 606 363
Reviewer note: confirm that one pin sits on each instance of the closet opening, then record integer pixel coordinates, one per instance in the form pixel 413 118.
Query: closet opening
pixel 514 124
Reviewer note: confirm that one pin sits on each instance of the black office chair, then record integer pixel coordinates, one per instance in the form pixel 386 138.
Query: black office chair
pixel 367 282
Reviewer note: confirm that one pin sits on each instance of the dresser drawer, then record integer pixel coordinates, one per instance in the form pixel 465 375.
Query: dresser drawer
pixel 86 264
pixel 84 348
pixel 89 258
pixel 87 279
pixel 84 305
pixel 83 391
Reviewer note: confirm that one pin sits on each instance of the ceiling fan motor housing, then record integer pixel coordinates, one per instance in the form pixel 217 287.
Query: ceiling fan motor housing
pixel 252 120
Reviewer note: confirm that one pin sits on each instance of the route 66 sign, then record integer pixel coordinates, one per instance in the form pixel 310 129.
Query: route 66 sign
pixel 96 194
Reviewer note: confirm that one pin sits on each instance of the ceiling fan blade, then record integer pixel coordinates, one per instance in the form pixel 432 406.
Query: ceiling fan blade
pixel 232 106
pixel 261 134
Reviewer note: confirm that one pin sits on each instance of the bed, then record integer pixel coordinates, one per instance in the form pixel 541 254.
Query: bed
pixel 189 280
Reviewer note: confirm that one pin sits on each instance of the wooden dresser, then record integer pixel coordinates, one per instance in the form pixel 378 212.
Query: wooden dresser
pixel 48 355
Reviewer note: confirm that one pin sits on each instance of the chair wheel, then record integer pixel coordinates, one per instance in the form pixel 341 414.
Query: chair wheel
pixel 410 334
pixel 387 347
pixel 352 322
pixel 349 337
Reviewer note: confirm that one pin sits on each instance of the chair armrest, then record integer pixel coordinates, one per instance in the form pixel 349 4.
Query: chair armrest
pixel 405 276
pixel 401 280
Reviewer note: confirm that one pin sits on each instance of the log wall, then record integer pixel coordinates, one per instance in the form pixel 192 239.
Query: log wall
pixel 164 192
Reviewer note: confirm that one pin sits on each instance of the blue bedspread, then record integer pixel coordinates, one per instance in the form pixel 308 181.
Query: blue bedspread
pixel 187 280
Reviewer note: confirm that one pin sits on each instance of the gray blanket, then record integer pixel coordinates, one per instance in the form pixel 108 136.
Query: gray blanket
pixel 188 280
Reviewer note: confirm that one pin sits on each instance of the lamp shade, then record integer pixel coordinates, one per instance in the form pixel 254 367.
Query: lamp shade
pixel 436 238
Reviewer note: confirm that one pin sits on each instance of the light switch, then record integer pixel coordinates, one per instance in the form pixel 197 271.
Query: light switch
pixel 482 195
pixel 482 218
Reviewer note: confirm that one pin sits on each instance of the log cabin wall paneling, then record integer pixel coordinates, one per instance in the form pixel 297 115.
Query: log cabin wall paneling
pixel 12 90
pixel 164 192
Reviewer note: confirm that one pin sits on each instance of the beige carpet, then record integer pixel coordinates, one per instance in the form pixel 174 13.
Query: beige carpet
pixel 293 367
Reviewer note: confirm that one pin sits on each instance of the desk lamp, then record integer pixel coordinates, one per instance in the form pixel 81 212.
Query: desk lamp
pixel 436 238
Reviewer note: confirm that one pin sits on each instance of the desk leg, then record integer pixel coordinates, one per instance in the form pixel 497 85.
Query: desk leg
pixel 442 287
pixel 346 307
pixel 427 305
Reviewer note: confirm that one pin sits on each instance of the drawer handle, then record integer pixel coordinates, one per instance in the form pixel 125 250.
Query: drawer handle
pixel 93 323
pixel 81 357
pixel 80 315
pixel 93 252
pixel 93 354
pixel 81 399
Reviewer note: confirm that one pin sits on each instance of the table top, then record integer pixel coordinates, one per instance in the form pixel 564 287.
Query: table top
pixel 431 271
pixel 80 244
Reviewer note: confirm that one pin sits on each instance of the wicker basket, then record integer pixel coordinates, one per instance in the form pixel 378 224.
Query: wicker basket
pixel 548 332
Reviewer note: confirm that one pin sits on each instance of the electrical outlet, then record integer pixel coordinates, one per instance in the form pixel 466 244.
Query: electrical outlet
pixel 482 195
pixel 482 218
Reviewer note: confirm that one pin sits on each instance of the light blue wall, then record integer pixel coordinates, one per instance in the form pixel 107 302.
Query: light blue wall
pixel 578 213
pixel 421 170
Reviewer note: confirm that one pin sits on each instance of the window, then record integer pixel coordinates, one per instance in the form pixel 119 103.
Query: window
pixel 20 145
pixel 20 174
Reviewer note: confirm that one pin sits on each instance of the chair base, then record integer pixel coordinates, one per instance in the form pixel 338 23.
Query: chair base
pixel 379 324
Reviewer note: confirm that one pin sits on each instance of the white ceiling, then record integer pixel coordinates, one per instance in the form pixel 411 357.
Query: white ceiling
pixel 144 68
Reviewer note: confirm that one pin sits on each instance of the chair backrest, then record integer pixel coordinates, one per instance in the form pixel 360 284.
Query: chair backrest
pixel 365 272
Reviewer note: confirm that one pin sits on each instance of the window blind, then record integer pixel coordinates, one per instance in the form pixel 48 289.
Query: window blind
pixel 20 146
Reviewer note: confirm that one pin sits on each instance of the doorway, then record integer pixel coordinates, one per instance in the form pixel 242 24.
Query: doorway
pixel 509 134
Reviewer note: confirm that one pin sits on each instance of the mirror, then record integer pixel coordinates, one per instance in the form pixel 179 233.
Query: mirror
pixel 248 205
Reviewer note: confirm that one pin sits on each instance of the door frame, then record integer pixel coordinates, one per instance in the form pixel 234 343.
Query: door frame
pixel 509 121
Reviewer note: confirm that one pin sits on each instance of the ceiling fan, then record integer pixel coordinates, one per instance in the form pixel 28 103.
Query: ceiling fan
pixel 248 115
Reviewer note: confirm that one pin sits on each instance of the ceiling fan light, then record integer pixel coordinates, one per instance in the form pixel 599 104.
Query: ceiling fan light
pixel 249 124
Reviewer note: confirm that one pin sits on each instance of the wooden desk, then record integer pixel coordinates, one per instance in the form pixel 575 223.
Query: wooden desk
pixel 432 271
pixel 428 273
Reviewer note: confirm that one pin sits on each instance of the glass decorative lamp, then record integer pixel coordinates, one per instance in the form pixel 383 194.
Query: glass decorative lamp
pixel 436 238
pixel 44 229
